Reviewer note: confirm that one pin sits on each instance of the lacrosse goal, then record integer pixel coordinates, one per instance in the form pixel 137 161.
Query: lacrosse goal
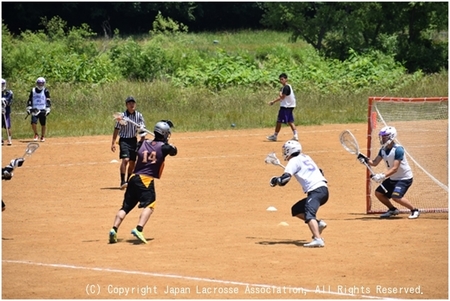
pixel 422 128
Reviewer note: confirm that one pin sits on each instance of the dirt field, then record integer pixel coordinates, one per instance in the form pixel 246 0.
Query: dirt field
pixel 211 236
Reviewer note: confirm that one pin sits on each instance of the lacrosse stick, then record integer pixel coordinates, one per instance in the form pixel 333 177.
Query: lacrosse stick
pixel 31 148
pixel 350 144
pixel 34 112
pixel 123 120
pixel 272 159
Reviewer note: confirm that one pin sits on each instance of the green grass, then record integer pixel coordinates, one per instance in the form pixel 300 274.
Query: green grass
pixel 86 109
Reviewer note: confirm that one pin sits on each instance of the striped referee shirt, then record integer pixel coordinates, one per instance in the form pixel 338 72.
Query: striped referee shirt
pixel 129 130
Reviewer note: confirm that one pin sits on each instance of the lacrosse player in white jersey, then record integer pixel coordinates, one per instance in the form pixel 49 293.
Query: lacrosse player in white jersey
pixel 397 178
pixel 314 184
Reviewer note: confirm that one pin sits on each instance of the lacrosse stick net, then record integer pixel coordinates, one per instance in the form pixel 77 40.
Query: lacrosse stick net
pixel 349 142
pixel 123 120
pixel 272 159
pixel 31 148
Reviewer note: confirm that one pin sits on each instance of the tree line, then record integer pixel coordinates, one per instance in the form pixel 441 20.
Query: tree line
pixel 415 33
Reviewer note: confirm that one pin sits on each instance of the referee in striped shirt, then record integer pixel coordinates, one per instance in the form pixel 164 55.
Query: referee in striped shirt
pixel 127 141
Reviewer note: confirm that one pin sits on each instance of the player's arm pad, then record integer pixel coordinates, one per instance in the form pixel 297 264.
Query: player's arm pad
pixel 169 149
pixel 284 179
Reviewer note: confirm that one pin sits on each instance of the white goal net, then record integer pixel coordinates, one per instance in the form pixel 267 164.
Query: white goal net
pixel 422 129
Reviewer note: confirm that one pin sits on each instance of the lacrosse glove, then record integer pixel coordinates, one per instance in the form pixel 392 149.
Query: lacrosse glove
pixel 29 110
pixel 47 111
pixel 380 177
pixel 362 159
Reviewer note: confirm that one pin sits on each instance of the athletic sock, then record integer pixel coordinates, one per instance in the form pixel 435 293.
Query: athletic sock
pixel 122 177
pixel 139 228
pixel 115 229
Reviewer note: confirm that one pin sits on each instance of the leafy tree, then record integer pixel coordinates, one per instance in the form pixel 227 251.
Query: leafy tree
pixel 399 28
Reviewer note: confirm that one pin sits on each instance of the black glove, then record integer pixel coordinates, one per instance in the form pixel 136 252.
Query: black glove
pixel 273 181
pixel 7 173
pixel 363 159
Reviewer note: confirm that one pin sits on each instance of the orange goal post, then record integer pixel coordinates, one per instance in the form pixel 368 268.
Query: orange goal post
pixel 422 129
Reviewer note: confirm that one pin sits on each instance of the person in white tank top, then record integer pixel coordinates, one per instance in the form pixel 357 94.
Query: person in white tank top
pixel 397 178
pixel 288 103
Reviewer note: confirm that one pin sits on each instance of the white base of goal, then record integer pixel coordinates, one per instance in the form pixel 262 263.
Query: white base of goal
pixel 422 128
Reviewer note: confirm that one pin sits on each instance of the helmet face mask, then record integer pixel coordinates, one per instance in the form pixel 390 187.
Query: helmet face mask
pixel 387 135
pixel 163 129
pixel 289 148
pixel 40 83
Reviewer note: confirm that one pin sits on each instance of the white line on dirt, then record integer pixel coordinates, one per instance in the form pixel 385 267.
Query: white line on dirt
pixel 191 278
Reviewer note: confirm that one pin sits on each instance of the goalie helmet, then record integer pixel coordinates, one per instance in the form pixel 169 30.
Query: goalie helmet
pixel 387 135
pixel 162 129
pixel 3 84
pixel 40 83
pixel 291 147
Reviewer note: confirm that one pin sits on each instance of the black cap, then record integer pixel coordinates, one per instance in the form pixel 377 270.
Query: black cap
pixel 130 99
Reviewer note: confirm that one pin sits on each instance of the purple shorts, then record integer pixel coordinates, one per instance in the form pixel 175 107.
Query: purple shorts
pixel 285 115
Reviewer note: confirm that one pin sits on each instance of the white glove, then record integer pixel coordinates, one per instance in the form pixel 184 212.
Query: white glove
pixel 29 110
pixel 142 131
pixel 379 177
pixel 47 111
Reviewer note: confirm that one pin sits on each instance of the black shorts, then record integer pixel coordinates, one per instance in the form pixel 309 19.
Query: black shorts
pixel 395 189
pixel 41 117
pixel 140 189
pixel 311 203
pixel 128 148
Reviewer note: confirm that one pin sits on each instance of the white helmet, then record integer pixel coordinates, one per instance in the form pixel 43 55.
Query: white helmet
pixel 162 128
pixel 40 82
pixel 387 135
pixel 291 147
pixel 3 84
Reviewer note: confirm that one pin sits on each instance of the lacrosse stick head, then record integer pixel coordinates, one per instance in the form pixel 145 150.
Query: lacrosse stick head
pixel 272 159
pixel 349 142
pixel 119 118
pixel 387 135
pixel 31 148
pixel 35 111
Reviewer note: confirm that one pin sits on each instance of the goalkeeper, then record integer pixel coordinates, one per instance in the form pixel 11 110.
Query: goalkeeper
pixel 397 178
pixel 7 172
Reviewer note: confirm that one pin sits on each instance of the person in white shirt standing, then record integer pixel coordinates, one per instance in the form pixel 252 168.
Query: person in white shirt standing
pixel 397 179
pixel 39 101
pixel 287 105
pixel 314 184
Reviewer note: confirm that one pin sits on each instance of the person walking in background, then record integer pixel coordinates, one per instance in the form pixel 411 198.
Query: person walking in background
pixel 39 100
pixel 7 98
pixel 314 184
pixel 398 177
pixel 287 104
pixel 141 187
pixel 127 141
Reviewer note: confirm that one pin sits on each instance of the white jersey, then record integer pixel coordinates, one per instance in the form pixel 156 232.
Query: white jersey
pixel 306 172
pixel 39 99
pixel 289 101
pixel 397 152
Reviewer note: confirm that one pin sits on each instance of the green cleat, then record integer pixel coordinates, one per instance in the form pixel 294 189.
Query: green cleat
pixel 112 236
pixel 139 235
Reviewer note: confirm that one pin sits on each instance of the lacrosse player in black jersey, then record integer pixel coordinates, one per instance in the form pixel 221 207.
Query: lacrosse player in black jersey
pixel 7 172
pixel 141 185
pixel 127 140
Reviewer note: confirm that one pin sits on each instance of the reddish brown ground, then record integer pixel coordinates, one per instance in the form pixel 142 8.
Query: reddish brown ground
pixel 210 230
